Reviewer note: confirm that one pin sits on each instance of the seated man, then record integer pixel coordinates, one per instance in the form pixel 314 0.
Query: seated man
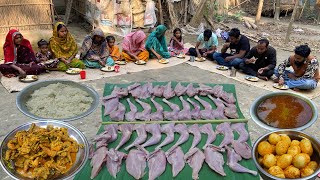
pixel 208 42
pixel 305 73
pixel 260 61
pixel 239 46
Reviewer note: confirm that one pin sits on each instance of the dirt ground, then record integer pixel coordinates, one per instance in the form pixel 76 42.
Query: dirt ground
pixel 11 117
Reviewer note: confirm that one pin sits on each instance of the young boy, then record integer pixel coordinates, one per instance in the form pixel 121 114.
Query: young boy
pixel 45 57
pixel 114 51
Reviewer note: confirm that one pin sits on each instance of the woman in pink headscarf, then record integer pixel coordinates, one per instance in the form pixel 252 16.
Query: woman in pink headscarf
pixel 133 47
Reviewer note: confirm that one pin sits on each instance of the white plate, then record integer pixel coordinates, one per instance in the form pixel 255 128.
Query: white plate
pixel 121 62
pixel 181 56
pixel 222 68
pixel 108 68
pixel 163 61
pixel 200 59
pixel 252 78
pixel 73 71
pixel 140 62
pixel 29 78
pixel 283 87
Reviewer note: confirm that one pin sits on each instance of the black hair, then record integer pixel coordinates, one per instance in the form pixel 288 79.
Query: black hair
pixel 302 50
pixel 177 30
pixel 207 33
pixel 60 26
pixel 42 42
pixel 109 38
pixel 264 41
pixel 234 32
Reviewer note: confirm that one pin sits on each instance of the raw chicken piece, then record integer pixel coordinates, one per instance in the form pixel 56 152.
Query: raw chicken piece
pixel 158 91
pixel 195 159
pixel 144 115
pixel 91 151
pixel 110 104
pixel 207 129
pixel 242 148
pixel 131 115
pixel 219 112
pixel 135 90
pixel 217 91
pixel 156 163
pixel 168 129
pixel 154 130
pixel 158 115
pixel 168 91
pixel 240 128
pixel 146 91
pixel 120 92
pixel 214 159
pixel 228 97
pixel 180 90
pixel 191 91
pixel 173 115
pixel 185 113
pixel 114 161
pixel 207 112
pixel 142 136
pixel 205 90
pixel 195 130
pixel 231 110
pixel 136 163
pixel 195 112
pixel 118 115
pixel 233 159
pixel 182 129
pixel 102 136
pixel 101 143
pixel 126 130
pixel 99 157
pixel 175 158
pixel 112 130
pixel 225 129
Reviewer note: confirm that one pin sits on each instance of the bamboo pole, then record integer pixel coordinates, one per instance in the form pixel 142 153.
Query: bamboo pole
pixel 160 12
pixel 52 12
pixel 291 22
pixel 68 11
pixel 185 12
pixel 258 16
pixel 277 13
pixel 215 121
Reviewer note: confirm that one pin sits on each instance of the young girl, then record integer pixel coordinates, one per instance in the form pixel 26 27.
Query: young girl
pixel 114 51
pixel 44 56
pixel 176 46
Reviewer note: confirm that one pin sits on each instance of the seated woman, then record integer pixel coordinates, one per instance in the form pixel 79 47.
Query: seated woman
pixel 19 58
pixel 64 47
pixel 133 48
pixel 156 43
pixel 114 51
pixel 94 50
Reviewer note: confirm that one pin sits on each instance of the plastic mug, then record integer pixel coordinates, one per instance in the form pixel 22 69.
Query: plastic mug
pixel 116 68
pixel 192 58
pixel 82 74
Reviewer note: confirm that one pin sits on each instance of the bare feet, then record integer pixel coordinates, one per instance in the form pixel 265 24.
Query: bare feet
pixel 296 89
pixel 276 80
pixel 263 78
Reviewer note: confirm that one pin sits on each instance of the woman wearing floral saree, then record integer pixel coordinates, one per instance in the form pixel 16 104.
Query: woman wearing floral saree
pixel 156 43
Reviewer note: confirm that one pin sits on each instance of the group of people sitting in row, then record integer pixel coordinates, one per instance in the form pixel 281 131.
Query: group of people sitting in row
pixel 61 53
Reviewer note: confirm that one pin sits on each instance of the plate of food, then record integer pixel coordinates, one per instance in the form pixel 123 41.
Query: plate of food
pixel 49 61
pixel 222 68
pixel 163 61
pixel 28 78
pixel 121 62
pixel 108 68
pixel 73 71
pixel 200 59
pixel 140 62
pixel 252 78
pixel 181 56
pixel 283 87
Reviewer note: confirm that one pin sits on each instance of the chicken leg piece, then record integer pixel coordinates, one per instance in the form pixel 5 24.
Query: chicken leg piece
pixel 110 104
pixel 131 115
pixel 175 158
pixel 114 161
pixel 126 130
pixel 243 149
pixel 182 129
pixel 136 163
pixel 240 128
pixel 153 129
pixel 112 130
pixel 225 129
pixel 173 115
pixel 185 113
pixel 156 163
pixel 120 92
pixel 97 160
pixel 158 91
pixel 195 130
pixel 195 112
pixel 168 129
pixel 191 91
pixel 168 91
pixel 219 112
pixel 158 115
pixel 207 129
pixel 118 115
pixel 145 114
pixel 233 159
pixel 180 90
pixel 214 159
pixel 195 159
pixel 230 110
pixel 207 112
pixel 142 136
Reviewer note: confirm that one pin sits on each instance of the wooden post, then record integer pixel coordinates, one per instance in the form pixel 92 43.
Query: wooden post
pixel 172 14
pixel 68 11
pixel 291 22
pixel 160 12
pixel 258 16
pixel 277 13
pixel 185 18
pixel 198 15
pixel 52 12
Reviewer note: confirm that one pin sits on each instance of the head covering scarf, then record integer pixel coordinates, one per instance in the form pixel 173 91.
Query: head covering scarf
pixel 133 42
pixel 62 47
pixel 157 41
pixel 10 49
pixel 88 42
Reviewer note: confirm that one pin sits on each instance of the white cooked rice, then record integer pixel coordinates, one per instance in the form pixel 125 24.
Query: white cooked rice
pixel 59 101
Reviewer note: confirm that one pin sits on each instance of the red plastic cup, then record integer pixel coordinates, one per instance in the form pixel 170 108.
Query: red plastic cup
pixel 82 74
pixel 116 68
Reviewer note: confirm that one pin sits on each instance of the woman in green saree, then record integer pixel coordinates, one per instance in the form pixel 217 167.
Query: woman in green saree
pixel 156 43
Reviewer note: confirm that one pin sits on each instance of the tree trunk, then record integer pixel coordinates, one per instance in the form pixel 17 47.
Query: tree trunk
pixel 160 12
pixel 172 14
pixel 196 19
pixel 277 13
pixel 258 16
pixel 185 18
pixel 291 22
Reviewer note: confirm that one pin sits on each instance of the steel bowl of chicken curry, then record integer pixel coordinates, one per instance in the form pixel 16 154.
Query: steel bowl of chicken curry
pixel 44 150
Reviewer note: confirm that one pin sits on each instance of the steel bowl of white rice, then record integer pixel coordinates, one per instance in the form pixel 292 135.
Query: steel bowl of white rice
pixel 62 100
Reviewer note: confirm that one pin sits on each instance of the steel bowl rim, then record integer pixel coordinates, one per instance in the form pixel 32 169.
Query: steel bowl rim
pixel 29 114
pixel 255 118
pixel 84 139
pixel 255 146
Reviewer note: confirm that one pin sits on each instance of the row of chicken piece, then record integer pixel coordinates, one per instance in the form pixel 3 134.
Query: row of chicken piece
pixel 138 157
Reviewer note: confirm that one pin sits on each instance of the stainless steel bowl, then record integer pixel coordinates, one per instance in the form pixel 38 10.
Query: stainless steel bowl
pixel 74 133
pixel 257 102
pixel 25 94
pixel 298 135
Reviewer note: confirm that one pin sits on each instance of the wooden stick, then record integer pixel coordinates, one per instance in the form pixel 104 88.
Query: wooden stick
pixel 253 25
pixel 215 121
pixel 185 12
pixel 238 5
pixel 160 12
pixel 287 38
pixel 247 24
pixel 24 4
pixel 258 15
pixel 304 5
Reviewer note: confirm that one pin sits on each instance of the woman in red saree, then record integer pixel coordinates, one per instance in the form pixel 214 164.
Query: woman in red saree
pixel 19 58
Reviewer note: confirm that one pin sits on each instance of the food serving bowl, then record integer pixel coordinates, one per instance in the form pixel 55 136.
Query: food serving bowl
pixel 294 135
pixel 74 133
pixel 258 101
pixel 25 94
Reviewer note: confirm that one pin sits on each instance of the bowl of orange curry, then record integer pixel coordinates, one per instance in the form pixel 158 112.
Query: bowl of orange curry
pixel 44 150
pixel 284 110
